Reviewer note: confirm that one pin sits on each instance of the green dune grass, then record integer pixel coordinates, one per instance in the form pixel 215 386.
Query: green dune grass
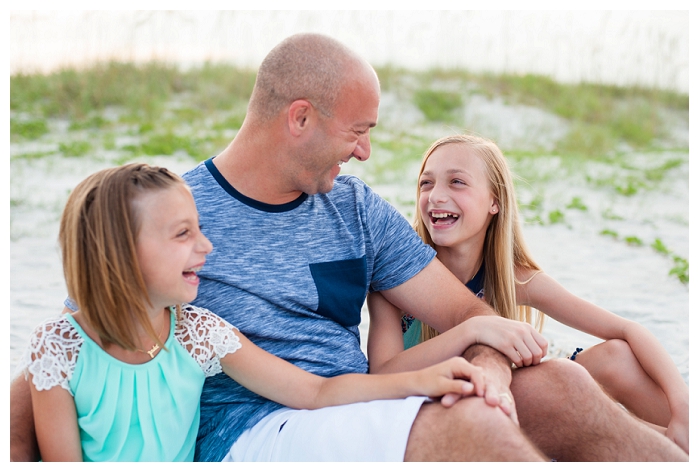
pixel 127 111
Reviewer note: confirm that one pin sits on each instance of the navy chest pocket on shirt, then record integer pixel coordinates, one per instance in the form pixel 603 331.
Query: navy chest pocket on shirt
pixel 342 287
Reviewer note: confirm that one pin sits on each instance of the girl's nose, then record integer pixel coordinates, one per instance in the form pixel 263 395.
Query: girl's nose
pixel 204 244
pixel 437 195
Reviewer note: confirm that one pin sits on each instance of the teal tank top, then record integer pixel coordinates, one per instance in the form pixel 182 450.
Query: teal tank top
pixel 145 412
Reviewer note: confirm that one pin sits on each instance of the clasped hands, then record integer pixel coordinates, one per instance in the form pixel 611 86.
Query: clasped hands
pixel 519 342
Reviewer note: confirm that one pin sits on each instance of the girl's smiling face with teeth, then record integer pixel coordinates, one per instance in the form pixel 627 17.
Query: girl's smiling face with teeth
pixel 455 199
pixel 170 245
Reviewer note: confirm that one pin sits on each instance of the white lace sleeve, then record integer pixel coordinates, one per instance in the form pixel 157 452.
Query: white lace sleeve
pixel 52 354
pixel 207 337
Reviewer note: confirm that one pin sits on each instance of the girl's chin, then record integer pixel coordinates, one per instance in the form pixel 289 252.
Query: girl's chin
pixel 443 242
pixel 189 298
pixel 440 234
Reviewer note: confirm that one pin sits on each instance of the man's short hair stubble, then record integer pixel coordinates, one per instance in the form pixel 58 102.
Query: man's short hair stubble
pixel 305 66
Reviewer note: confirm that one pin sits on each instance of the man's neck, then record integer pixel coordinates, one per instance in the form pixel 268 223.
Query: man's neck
pixel 251 171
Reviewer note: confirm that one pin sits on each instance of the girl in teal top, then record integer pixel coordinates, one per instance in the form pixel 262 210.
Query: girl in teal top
pixel 120 379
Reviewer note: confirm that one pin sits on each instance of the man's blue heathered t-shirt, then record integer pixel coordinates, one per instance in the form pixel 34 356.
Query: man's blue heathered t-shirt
pixel 293 278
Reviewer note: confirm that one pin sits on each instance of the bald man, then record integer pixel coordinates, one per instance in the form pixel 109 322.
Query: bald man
pixel 297 248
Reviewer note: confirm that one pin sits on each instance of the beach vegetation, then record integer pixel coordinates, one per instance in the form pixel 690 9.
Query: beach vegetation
pixel 608 214
pixel 141 88
pixel 601 116
pixel 680 269
pixel 137 110
pixel 230 122
pixel 438 105
pixel 32 155
pixel 109 141
pixel 586 140
pixel 656 174
pixel 168 144
pixel 95 121
pixel 556 216
pixel 28 129
pixel 74 148
pixel 145 127
pixel 660 247
pixel 629 186
pixel 577 204
pixel 534 220
pixel 633 241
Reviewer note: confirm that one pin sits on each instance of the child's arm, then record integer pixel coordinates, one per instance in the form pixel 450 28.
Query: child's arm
pixel 385 339
pixel 47 362
pixel 547 295
pixel 521 343
pixel 56 424
pixel 283 382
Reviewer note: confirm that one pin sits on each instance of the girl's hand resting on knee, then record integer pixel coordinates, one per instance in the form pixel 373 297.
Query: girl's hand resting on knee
pixel 519 341
pixel 450 380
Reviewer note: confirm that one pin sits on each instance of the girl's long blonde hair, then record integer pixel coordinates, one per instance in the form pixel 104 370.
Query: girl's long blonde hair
pixel 504 247
pixel 98 233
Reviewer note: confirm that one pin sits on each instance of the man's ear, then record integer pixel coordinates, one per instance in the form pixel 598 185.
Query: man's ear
pixel 299 117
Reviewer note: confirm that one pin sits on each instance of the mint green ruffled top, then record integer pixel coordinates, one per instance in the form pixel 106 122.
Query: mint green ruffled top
pixel 126 412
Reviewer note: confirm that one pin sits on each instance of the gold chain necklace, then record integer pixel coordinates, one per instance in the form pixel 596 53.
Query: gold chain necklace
pixel 151 352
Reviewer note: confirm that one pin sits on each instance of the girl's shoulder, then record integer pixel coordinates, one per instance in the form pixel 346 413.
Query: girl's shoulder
pixel 206 336
pixel 200 320
pixel 52 353
pixel 192 312
pixel 524 275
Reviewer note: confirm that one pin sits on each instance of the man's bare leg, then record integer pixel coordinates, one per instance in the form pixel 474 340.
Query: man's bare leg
pixel 468 431
pixel 565 413
pixel 23 446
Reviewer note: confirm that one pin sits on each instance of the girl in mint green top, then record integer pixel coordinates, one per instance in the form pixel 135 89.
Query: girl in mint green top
pixel 133 412
pixel 120 378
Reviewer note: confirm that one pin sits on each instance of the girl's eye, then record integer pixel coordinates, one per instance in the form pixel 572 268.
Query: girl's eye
pixel 183 233
pixel 424 183
pixel 459 182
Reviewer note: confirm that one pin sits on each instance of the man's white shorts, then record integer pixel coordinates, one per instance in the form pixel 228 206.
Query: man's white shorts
pixel 371 431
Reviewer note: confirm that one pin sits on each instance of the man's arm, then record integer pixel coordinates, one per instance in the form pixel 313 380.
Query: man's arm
pixel 436 297
pixel 518 341
pixel 23 445
pixel 498 377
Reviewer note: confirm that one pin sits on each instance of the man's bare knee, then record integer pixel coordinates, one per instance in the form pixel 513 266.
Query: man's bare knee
pixel 568 416
pixel 552 383
pixel 468 431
